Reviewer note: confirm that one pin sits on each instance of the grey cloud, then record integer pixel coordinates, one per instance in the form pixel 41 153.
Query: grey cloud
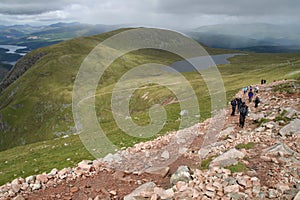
pixel 230 7
pixel 160 13
pixel 32 7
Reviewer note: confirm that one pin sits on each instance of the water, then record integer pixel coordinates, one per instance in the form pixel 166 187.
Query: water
pixel 13 49
pixel 202 62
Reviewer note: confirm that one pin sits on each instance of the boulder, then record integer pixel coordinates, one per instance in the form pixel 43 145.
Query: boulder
pixel 164 194
pixel 297 197
pixel 19 197
pixel 228 158
pixel 182 174
pixel 226 132
pixel 165 155
pixel 161 171
pixel 231 189
pixel 142 191
pixel 292 128
pixel 279 148
pixel 290 112
pixel 43 178
pixel 256 117
pixel 30 179
pixel 203 152
pixel 112 158
pixel 15 186
pixel 85 165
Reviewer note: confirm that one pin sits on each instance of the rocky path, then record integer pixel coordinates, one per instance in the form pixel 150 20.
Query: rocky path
pixel 260 161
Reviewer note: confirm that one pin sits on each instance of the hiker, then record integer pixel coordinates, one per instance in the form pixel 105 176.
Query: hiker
pixel 233 106
pixel 245 89
pixel 256 89
pixel 250 95
pixel 243 114
pixel 256 101
pixel 250 88
pixel 239 104
pixel 262 81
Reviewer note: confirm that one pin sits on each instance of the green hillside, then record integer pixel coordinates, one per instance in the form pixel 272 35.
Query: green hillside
pixel 37 107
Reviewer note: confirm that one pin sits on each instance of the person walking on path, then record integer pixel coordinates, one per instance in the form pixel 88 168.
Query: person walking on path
pixel 233 106
pixel 243 114
pixel 256 101
pixel 239 104
pixel 245 89
pixel 256 89
pixel 250 95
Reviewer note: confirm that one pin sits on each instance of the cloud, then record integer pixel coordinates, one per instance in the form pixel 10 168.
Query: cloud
pixel 32 7
pixel 159 13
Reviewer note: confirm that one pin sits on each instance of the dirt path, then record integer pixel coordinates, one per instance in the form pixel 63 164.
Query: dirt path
pixel 116 179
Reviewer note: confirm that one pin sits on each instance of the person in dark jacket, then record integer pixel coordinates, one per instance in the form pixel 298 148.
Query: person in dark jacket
pixel 250 95
pixel 233 106
pixel 243 114
pixel 239 104
pixel 256 101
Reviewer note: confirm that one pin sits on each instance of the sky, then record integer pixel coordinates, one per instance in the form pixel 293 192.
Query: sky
pixel 157 13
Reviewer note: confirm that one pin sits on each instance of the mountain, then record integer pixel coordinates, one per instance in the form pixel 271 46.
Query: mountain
pixel 252 37
pixel 37 36
pixel 34 37
pixel 36 119
pixel 36 95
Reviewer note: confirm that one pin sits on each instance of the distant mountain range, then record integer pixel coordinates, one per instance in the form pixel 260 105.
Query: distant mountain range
pixel 257 37
pixel 34 37
pixel 260 38
pixel 38 36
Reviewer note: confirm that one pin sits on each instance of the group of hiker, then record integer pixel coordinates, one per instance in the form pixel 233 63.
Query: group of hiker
pixel 238 105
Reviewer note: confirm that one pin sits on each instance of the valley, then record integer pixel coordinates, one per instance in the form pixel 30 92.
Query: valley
pixel 36 111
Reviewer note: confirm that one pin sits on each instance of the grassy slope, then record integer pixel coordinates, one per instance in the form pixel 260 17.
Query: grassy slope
pixel 45 95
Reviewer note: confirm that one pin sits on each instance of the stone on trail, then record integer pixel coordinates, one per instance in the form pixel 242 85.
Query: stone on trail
pixel 147 188
pixel 203 152
pixel 226 132
pixel 19 197
pixel 290 112
pixel 281 187
pixel 30 179
pixel 279 148
pixel 43 178
pixel 256 117
pixel 182 174
pixel 36 186
pixel 162 171
pixel 164 194
pixel 228 158
pixel 292 128
pixel 231 188
pixel 165 155
pixel 112 158
pixel 15 186
pixel 85 165
pixel 297 197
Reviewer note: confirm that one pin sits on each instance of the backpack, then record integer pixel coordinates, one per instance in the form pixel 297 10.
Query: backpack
pixel 233 103
pixel 244 110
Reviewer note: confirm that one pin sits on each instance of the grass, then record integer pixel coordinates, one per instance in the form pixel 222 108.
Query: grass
pixel 205 163
pixel 247 146
pixel 261 121
pixel 37 108
pixel 239 167
pixel 287 88
pixel 41 157
pixel 281 117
